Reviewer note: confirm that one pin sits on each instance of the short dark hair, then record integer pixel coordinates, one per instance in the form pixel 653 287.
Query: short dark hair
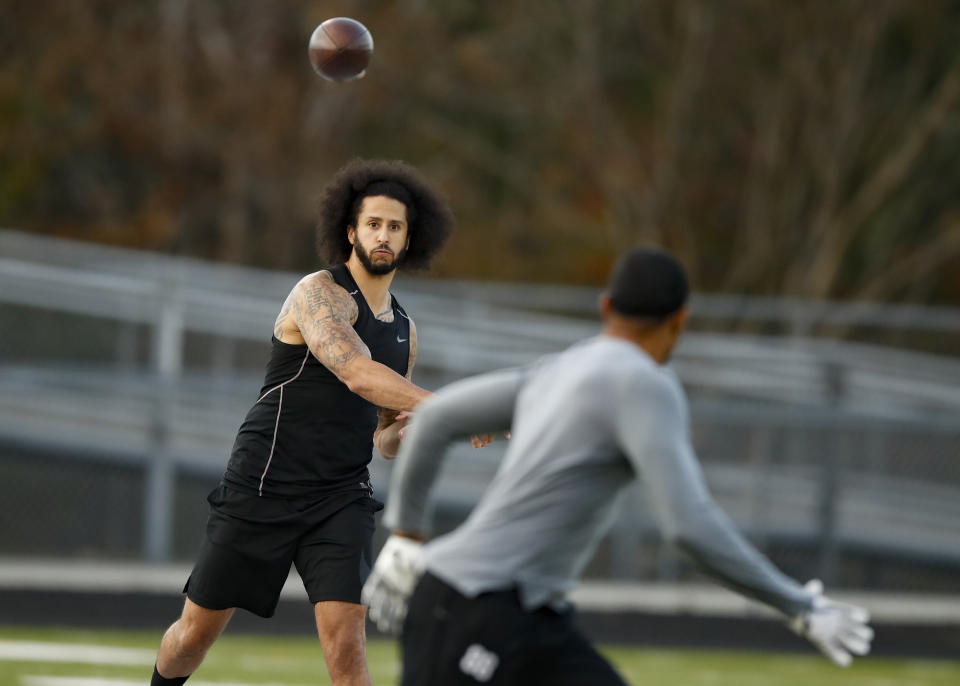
pixel 429 218
pixel 649 283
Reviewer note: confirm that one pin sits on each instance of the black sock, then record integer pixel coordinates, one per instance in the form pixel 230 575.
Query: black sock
pixel 158 680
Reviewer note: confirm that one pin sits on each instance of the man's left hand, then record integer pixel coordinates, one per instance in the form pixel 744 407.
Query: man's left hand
pixel 839 630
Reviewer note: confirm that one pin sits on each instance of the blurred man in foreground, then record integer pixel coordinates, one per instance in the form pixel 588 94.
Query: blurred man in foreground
pixel 491 605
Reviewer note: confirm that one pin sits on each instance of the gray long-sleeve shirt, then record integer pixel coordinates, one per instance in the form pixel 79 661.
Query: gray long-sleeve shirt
pixel 584 424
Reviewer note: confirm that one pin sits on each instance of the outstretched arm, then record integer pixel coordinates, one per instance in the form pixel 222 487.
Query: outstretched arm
pixel 483 403
pixel 324 314
pixel 652 425
pixel 652 428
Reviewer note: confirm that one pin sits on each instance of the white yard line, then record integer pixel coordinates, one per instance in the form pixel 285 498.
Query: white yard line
pixel 36 651
pixel 78 653
pixel 38 680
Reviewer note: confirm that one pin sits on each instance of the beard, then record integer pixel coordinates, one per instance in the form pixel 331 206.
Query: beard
pixel 378 268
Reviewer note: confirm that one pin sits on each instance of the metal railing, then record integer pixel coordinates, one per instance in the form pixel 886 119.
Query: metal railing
pixel 803 438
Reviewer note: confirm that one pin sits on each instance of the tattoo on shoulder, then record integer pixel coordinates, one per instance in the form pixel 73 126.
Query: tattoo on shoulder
pixel 326 322
pixel 327 300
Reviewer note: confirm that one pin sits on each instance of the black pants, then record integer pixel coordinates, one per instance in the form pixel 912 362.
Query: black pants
pixel 449 639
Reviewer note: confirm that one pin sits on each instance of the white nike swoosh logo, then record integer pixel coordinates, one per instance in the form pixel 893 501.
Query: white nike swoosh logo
pixel 353 292
pixel 401 340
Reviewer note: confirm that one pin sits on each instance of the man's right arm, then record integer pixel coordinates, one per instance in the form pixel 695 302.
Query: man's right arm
pixel 483 403
pixel 324 314
pixel 652 427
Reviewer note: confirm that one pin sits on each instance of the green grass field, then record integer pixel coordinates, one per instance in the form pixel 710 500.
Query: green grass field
pixel 81 658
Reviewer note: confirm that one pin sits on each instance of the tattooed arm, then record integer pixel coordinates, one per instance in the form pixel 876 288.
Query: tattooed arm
pixel 387 435
pixel 321 314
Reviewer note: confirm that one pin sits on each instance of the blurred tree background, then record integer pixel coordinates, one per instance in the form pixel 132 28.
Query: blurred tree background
pixel 806 148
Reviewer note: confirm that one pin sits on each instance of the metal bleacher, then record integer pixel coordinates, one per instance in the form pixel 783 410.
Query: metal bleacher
pixel 825 444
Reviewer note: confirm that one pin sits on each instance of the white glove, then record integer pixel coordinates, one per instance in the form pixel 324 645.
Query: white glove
pixel 391 583
pixel 839 630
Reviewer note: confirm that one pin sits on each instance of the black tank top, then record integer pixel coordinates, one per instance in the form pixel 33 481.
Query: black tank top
pixel 308 433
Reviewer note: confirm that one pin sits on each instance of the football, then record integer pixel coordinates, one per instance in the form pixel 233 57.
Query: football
pixel 340 49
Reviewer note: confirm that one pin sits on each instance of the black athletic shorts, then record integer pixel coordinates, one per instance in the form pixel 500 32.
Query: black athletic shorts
pixel 451 640
pixel 251 541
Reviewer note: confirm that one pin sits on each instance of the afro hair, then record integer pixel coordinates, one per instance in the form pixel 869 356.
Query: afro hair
pixel 428 214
